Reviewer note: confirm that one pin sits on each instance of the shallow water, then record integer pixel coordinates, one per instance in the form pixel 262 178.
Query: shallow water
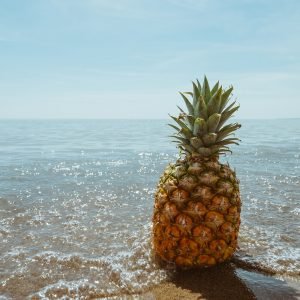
pixel 76 202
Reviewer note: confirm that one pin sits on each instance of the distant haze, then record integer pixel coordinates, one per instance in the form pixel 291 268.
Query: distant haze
pixel 129 58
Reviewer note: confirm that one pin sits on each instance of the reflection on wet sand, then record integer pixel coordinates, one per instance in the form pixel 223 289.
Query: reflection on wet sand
pixel 226 281
pixel 221 282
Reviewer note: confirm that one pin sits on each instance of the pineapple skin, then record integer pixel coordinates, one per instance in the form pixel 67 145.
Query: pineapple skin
pixel 196 214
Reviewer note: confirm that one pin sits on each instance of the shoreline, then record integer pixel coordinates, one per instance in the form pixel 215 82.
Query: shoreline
pixel 227 281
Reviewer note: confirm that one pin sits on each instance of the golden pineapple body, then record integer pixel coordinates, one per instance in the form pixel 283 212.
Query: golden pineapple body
pixel 196 213
pixel 197 203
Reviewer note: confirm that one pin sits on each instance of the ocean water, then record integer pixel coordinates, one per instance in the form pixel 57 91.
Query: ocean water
pixel 76 202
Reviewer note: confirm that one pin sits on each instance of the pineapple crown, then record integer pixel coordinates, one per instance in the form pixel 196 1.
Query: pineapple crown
pixel 201 132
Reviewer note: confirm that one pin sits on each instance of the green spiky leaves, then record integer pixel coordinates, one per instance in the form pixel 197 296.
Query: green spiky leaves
pixel 201 129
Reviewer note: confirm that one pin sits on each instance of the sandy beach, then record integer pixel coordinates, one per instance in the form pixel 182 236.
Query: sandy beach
pixel 227 281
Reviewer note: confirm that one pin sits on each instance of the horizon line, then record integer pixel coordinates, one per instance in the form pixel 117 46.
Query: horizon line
pixel 127 119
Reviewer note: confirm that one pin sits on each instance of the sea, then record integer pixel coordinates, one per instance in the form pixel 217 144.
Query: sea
pixel 76 202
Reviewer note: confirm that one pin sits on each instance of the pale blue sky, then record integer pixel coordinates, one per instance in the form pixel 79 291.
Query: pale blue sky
pixel 129 59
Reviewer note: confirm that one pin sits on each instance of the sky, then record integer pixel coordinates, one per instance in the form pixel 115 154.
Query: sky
pixel 129 58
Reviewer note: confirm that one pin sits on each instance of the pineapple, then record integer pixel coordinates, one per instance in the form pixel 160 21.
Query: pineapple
pixel 197 206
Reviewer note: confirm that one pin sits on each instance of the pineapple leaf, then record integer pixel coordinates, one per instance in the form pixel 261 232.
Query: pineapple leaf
pixel 215 88
pixel 206 90
pixel 181 149
pixel 213 122
pixel 209 139
pixel 225 98
pixel 202 108
pixel 214 102
pixel 205 151
pixel 191 120
pixel 187 148
pixel 190 149
pixel 173 126
pixel 199 86
pixel 180 123
pixel 226 114
pixel 228 141
pixel 188 104
pixel 185 133
pixel 227 130
pixel 224 151
pixel 197 110
pixel 196 94
pixel 196 142
pixel 196 127
pixel 201 127
pixel 220 149
pixel 181 110
pixel 181 139
pixel 229 107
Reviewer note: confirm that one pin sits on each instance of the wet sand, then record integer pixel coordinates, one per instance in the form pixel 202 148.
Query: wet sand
pixel 227 281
